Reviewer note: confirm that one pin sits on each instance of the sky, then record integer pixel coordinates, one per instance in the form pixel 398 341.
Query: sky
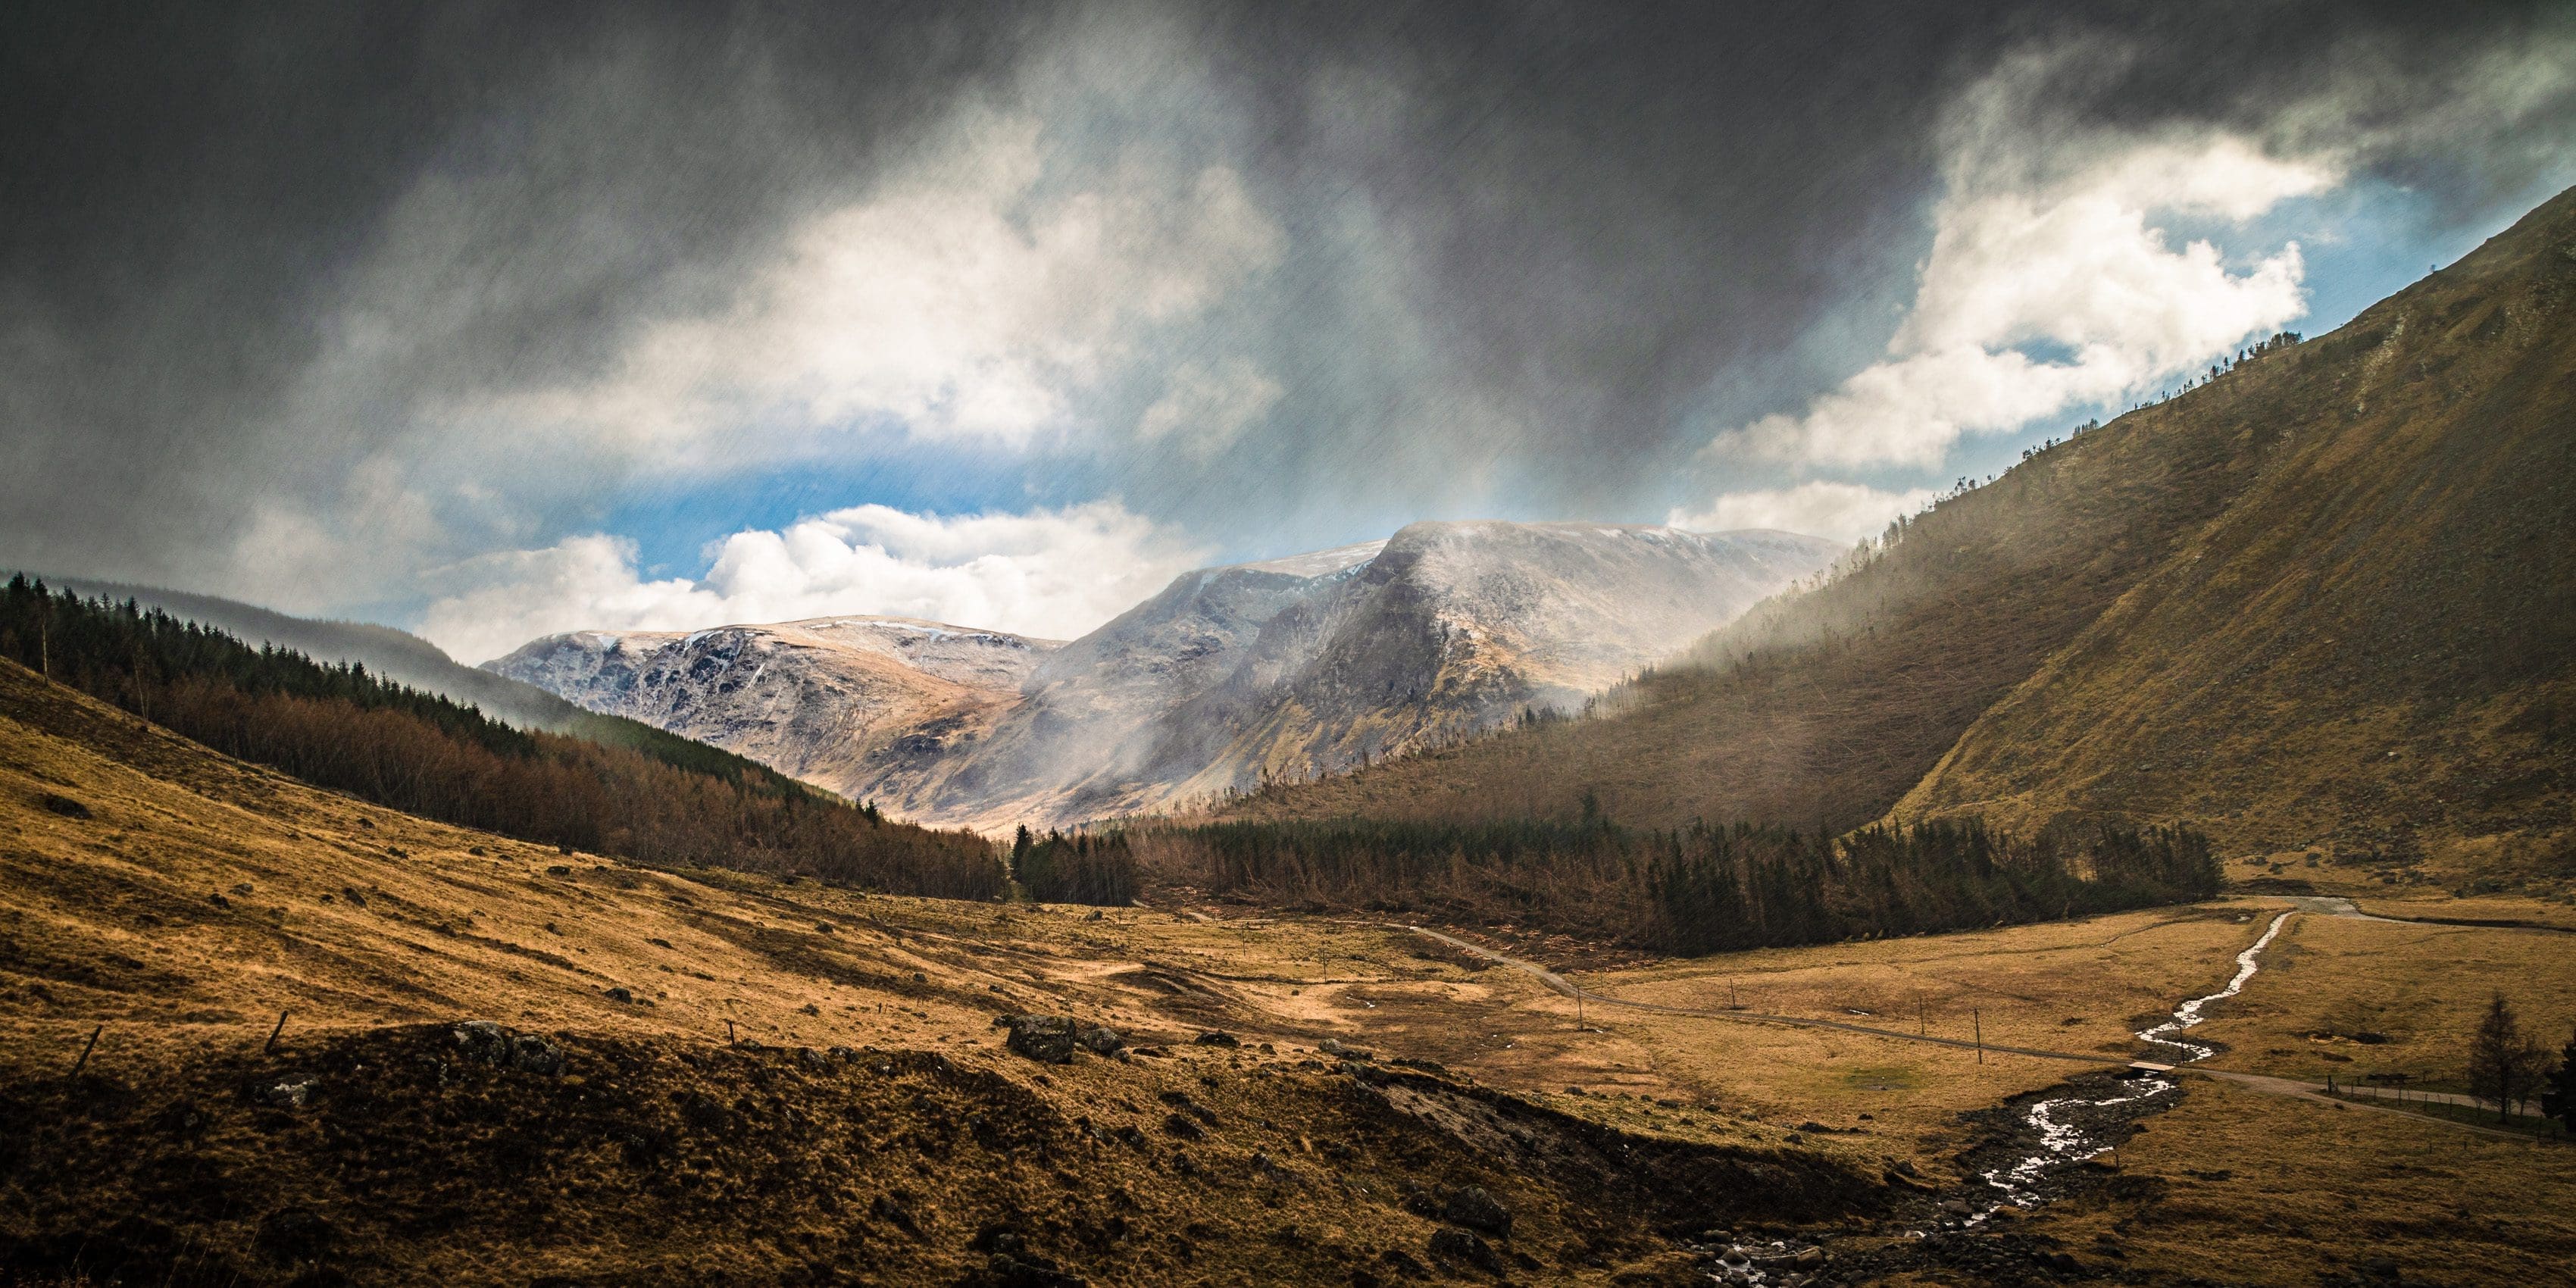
pixel 491 321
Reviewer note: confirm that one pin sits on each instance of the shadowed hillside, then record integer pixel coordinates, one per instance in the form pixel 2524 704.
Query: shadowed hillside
pixel 2387 510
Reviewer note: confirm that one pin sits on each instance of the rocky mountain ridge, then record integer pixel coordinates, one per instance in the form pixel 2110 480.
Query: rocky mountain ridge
pixel 1227 678
pixel 834 700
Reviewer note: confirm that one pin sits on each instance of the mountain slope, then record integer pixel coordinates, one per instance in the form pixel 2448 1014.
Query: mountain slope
pixel 348 730
pixel 1234 676
pixel 854 704
pixel 409 660
pixel 2386 509
pixel 2379 637
pixel 1826 705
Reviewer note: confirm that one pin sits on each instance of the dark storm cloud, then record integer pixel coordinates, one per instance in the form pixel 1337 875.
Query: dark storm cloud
pixel 191 190
pixel 1522 249
pixel 1614 205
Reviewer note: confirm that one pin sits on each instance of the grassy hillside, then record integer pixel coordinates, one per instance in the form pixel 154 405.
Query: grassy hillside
pixel 2372 650
pixel 344 728
pixel 2382 501
pixel 409 660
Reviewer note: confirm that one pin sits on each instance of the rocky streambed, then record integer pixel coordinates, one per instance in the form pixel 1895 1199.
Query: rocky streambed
pixel 2042 1136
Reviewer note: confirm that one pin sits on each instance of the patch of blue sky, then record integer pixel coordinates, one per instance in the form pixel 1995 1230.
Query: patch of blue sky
pixel 674 519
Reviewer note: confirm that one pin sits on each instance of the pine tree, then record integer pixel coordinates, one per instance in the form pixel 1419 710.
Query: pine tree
pixel 2504 1062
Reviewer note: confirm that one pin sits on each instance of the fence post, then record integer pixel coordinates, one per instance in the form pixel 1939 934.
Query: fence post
pixel 83 1062
pixel 270 1047
pixel 1978 1018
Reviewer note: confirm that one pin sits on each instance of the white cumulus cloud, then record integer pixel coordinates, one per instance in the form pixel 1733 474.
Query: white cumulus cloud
pixel 1818 508
pixel 2051 282
pixel 972 298
pixel 1048 573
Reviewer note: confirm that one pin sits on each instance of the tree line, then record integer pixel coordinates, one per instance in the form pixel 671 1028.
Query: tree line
pixel 1075 869
pixel 340 727
pixel 1700 889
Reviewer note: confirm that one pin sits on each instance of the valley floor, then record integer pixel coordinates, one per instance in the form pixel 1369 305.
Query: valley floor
pixel 773 1082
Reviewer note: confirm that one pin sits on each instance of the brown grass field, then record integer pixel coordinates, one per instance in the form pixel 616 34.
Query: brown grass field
pixel 666 1154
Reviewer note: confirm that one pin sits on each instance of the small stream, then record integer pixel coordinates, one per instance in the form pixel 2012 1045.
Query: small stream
pixel 2067 1129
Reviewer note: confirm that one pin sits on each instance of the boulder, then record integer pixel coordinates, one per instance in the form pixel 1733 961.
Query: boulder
pixel 494 1045
pixel 1099 1039
pixel 1047 1039
pixel 1336 1047
pixel 1473 1207
pixel 1218 1038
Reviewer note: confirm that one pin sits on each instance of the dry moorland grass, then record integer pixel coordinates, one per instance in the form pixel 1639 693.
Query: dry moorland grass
pixel 2232 1185
pixel 2242 1187
pixel 2348 997
pixel 376 934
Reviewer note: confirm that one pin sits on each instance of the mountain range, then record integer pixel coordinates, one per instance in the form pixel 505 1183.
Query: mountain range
pixel 1228 679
